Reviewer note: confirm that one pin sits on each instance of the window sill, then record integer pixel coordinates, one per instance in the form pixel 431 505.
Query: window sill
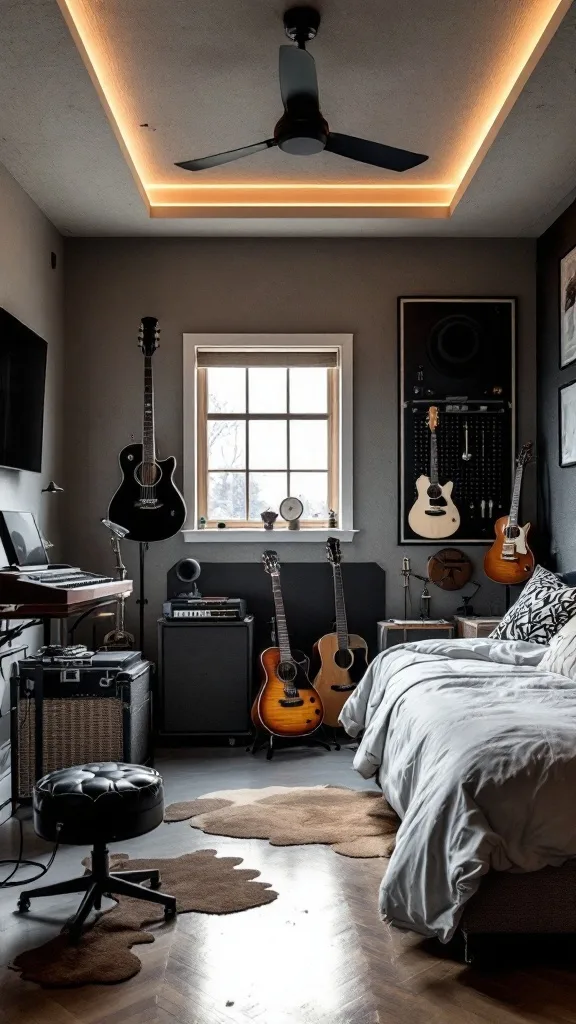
pixel 260 536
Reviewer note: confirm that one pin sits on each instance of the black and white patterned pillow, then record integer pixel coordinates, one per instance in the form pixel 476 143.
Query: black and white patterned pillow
pixel 544 606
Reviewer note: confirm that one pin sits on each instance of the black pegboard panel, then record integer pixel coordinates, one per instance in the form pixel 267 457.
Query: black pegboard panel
pixel 474 391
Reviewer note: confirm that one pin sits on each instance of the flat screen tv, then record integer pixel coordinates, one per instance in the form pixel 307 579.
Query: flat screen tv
pixel 22 381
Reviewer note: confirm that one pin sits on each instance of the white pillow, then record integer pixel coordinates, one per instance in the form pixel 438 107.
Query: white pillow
pixel 561 654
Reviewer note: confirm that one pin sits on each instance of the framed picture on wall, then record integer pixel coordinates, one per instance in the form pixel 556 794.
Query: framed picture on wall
pixel 567 423
pixel 568 308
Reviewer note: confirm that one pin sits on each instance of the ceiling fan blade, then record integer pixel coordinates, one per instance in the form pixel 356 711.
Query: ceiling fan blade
pixel 225 158
pixel 297 75
pixel 387 157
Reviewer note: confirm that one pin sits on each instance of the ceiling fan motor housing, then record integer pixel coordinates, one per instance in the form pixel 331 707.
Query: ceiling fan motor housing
pixel 301 136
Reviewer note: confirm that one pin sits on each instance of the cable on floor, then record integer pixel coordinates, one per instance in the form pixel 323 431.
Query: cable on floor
pixel 21 862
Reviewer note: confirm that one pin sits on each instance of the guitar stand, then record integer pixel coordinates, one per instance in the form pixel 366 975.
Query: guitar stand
pixel 270 741
pixel 332 735
pixel 142 601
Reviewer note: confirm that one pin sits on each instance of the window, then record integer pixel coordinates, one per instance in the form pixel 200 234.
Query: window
pixel 267 423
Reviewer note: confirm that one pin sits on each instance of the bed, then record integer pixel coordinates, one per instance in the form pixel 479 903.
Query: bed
pixel 474 745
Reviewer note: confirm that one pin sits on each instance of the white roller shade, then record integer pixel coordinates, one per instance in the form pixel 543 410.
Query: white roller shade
pixel 266 357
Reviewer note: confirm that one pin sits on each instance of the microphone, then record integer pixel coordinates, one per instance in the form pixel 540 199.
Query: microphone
pixel 115 528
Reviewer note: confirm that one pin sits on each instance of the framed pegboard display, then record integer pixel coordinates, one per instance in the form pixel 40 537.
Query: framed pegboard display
pixel 457 357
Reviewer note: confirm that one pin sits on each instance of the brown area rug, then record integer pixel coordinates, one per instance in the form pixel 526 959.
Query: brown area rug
pixel 200 881
pixel 353 822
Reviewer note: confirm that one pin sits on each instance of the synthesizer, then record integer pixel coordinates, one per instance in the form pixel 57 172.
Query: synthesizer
pixel 55 589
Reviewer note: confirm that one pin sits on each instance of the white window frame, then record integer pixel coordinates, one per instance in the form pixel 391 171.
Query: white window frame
pixel 340 343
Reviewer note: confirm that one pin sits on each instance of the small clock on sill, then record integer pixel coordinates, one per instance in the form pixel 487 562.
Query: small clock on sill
pixel 291 510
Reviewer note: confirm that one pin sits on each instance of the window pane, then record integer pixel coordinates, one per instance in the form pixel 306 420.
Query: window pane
pixel 226 496
pixel 226 444
pixel 226 389
pixel 266 490
pixel 309 444
pixel 267 444
pixel 309 389
pixel 267 389
pixel 312 489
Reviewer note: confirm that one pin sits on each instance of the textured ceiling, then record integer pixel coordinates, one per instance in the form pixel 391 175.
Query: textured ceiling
pixel 203 76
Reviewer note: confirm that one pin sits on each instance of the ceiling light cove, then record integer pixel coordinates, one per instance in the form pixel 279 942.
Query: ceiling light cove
pixel 449 132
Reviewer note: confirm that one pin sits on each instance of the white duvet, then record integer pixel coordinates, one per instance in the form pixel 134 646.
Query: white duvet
pixel 475 749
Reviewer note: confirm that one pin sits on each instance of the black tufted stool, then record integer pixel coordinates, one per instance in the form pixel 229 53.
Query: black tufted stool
pixel 98 804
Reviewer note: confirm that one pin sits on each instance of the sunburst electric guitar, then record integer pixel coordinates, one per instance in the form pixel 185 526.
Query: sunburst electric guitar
pixel 510 559
pixel 434 513
pixel 343 656
pixel 287 704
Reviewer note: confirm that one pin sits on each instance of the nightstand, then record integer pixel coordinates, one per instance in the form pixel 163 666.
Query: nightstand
pixel 475 625
pixel 407 631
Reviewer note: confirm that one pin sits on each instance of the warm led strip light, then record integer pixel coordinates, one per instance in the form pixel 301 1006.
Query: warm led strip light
pixel 389 200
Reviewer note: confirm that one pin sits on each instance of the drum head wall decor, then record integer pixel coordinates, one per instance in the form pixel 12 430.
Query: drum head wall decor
pixel 458 356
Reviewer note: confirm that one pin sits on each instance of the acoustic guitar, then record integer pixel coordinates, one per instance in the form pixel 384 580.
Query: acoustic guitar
pixel 147 503
pixel 510 560
pixel 287 703
pixel 434 513
pixel 343 656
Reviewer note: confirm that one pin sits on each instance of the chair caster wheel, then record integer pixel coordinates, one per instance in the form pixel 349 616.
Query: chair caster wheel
pixel 170 912
pixel 23 905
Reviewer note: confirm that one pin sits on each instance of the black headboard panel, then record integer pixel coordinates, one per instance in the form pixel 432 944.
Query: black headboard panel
pixel 308 597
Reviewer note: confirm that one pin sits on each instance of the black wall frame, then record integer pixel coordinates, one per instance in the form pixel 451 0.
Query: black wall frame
pixel 458 354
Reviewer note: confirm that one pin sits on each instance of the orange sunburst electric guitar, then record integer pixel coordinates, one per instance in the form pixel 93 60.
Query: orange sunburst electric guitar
pixel 287 704
pixel 343 656
pixel 510 559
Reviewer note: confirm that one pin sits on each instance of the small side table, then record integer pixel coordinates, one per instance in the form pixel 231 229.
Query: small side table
pixel 408 631
pixel 475 625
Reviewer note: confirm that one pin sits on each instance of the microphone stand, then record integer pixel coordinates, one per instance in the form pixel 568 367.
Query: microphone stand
pixel 425 596
pixel 118 638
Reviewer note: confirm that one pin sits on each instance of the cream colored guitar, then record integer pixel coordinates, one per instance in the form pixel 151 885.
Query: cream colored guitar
pixel 433 514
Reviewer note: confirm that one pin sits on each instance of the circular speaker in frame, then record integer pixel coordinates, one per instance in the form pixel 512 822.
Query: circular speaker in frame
pixel 454 345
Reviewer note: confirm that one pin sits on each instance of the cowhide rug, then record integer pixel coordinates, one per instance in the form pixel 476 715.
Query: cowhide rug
pixel 355 823
pixel 200 881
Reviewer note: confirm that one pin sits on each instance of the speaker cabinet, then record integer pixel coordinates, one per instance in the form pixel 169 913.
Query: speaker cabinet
pixel 459 356
pixel 205 677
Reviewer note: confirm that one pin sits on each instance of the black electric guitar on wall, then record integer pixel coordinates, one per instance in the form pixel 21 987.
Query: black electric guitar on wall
pixel 147 503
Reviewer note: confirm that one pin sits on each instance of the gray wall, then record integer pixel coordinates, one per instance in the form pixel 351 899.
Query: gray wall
pixel 263 285
pixel 33 292
pixel 557 490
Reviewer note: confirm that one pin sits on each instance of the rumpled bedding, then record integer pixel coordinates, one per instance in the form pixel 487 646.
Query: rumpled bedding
pixel 475 749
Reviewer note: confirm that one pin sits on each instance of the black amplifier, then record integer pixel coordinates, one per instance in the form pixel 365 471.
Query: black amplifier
pixel 205 608
pixel 70 706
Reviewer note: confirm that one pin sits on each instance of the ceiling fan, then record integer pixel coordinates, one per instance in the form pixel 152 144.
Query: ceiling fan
pixel 302 130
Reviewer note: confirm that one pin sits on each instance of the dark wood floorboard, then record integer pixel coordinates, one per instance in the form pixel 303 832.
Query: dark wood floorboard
pixel 318 955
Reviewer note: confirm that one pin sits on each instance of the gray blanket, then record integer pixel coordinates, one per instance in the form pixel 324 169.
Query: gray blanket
pixel 475 749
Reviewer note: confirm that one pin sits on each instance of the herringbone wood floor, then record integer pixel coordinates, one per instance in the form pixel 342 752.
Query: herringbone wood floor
pixel 318 954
